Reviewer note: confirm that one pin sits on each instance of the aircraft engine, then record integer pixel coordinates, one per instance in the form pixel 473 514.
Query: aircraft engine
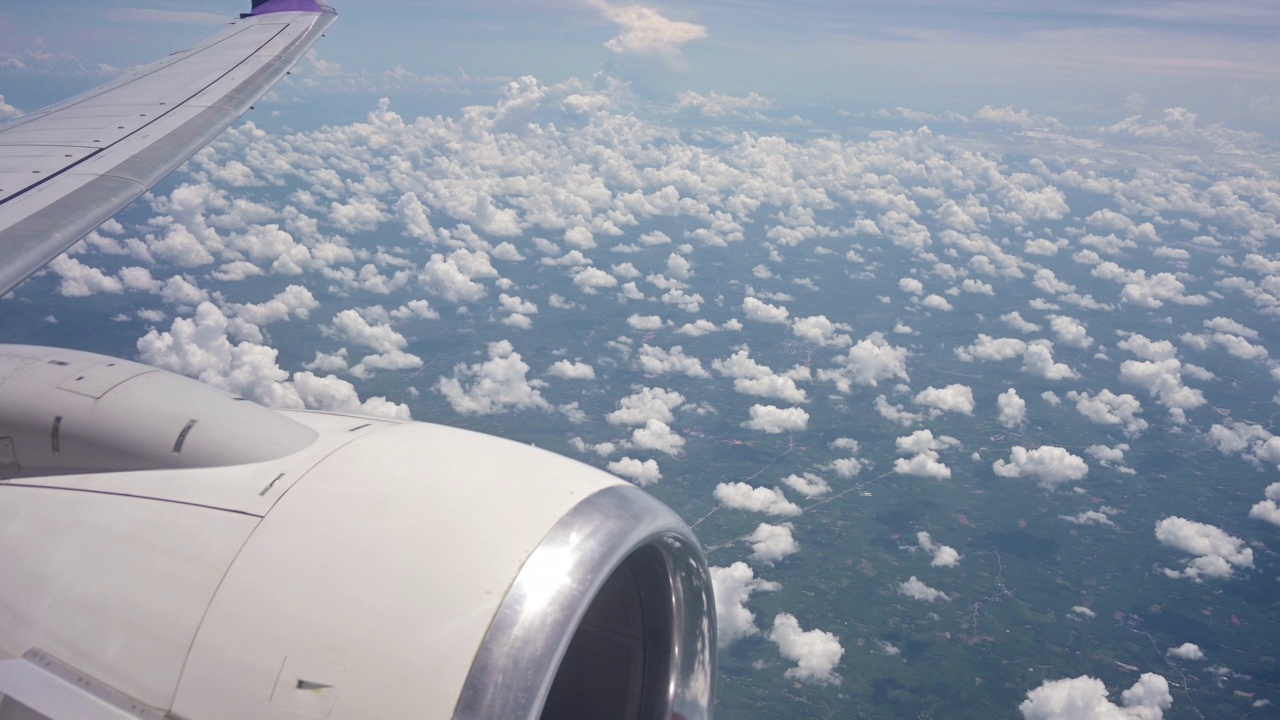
pixel 229 562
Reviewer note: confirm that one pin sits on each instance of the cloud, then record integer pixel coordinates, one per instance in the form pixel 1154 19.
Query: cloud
pixel 495 386
pixel 572 370
pixel 454 278
pixel 809 485
pixel 896 412
pixel 656 361
pixel 1108 408
pixel 1254 442
pixel 1085 698
pixel 922 465
pixel 351 326
pixel 815 652
pixel 294 300
pixel 1227 325
pixel 359 215
pixel 646 404
pixel 741 496
pixel 7 111
pixel 1148 291
pixel 519 322
pixel 1186 651
pixel 1038 362
pixel 1146 348
pixel 868 362
pixel 1015 321
pixel 1268 510
pixel 419 309
pixel 943 555
pixel 752 378
pixel 1163 380
pixel 774 420
pixel 771 543
pixel 977 287
pixel 936 302
pixel 199 347
pixel 1215 553
pixel 645 322
pixel 394 360
pixel 1013 409
pixel 657 435
pixel 991 349
pixel 952 398
pixel 80 280
pixel 917 590
pixel 1239 347
pixel 1037 355
pixel 1090 517
pixel 697 328
pixel 1049 465
pixel 645 32
pixel 1070 332
pixel 1040 246
pixel 1083 611
pixel 925 441
pixel 514 304
pixel 591 279
pixel 719 105
pixel 1110 456
pixel 760 311
pixel 925 461
pixel 733 587
pixel 821 331
pixel 642 473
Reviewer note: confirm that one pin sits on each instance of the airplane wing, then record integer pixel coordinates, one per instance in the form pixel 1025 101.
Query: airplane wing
pixel 67 168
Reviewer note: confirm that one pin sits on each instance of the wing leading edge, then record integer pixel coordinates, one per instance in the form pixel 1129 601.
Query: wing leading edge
pixel 67 168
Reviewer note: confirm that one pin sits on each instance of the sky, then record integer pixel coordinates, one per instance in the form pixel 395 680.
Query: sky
pixel 884 298
pixel 1081 61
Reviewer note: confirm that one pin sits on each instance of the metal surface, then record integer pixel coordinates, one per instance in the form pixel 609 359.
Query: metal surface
pixel 113 586
pixel 57 691
pixel 389 558
pixel 68 167
pixel 524 646
pixel 71 412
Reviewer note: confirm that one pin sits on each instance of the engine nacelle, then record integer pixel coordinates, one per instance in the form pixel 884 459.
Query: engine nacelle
pixel 382 569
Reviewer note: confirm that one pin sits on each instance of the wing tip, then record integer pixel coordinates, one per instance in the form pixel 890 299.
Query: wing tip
pixel 266 7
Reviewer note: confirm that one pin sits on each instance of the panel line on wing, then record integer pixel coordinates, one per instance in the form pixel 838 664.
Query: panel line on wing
pixel 169 109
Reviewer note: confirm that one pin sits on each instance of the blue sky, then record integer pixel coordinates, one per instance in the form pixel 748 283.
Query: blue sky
pixel 1083 61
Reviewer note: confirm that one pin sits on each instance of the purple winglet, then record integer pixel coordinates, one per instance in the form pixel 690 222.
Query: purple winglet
pixel 264 7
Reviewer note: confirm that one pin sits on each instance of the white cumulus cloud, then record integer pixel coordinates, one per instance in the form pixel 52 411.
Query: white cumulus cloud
pixel 943 555
pixel 952 398
pixel 1013 409
pixel 496 385
pixel 1214 553
pixel 771 543
pixel 1186 651
pixel 733 587
pixel 644 473
pixel 1085 698
pixel 815 652
pixel 741 496
pixel 760 311
pixel 774 420
pixel 917 590
pixel 1048 465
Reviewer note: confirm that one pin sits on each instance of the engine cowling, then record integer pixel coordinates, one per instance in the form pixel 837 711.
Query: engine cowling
pixel 383 569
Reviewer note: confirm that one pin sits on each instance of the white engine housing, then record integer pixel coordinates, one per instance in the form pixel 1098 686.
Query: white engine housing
pixel 297 564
